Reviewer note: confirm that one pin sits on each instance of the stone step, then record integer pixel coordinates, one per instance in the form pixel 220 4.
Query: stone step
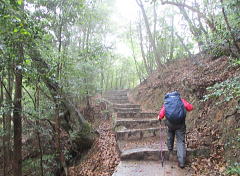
pixel 123 101
pixel 131 123
pixel 150 168
pixel 117 98
pixel 126 106
pixel 155 154
pixel 137 134
pixel 115 92
pixel 141 115
pixel 143 154
pixel 127 110
pixel 120 101
pixel 115 95
pixel 150 142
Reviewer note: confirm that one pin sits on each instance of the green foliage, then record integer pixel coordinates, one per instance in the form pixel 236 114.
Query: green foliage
pixel 86 130
pixel 236 61
pixel 32 165
pixel 121 74
pixel 233 142
pixel 230 89
pixel 2 132
pixel 219 42
pixel 234 169
pixel 15 24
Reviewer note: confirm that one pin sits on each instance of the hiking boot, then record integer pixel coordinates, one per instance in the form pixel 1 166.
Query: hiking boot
pixel 171 155
pixel 181 165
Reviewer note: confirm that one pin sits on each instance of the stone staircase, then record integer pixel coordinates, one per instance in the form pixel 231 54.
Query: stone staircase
pixel 138 135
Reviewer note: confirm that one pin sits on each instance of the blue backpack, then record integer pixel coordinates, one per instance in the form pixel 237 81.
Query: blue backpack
pixel 175 111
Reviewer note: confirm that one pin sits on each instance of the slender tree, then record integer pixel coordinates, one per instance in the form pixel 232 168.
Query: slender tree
pixel 17 114
pixel 151 38
pixel 134 54
pixel 229 27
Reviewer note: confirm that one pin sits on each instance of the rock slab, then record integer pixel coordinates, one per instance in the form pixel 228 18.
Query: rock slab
pixel 150 168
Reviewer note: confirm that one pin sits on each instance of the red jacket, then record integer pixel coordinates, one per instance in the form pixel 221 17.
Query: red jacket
pixel 187 105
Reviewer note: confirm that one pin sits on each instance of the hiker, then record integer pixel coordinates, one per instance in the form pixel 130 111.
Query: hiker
pixel 174 109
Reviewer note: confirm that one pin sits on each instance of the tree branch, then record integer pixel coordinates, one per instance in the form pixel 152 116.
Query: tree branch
pixel 6 89
pixel 229 27
pixel 178 4
pixel 50 98
pixel 234 113
pixel 34 103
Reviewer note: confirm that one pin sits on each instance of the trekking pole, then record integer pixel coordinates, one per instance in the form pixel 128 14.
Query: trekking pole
pixel 161 144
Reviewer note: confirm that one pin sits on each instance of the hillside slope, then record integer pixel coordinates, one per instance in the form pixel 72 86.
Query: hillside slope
pixel 210 125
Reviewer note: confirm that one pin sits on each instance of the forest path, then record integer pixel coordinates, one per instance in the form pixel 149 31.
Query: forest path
pixel 140 136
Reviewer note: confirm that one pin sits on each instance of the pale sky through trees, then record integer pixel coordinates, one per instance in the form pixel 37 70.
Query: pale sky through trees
pixel 126 11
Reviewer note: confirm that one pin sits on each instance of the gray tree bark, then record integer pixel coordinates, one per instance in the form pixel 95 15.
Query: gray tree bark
pixel 151 39
pixel 17 115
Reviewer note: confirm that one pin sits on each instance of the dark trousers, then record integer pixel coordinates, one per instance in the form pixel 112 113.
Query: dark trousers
pixel 178 130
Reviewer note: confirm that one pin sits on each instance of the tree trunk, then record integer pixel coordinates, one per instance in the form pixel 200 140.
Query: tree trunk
pixel 112 78
pixel 229 28
pixel 102 79
pixel 172 40
pixel 40 150
pixel 107 82
pixel 194 30
pixel 155 21
pixel 134 55
pixel 151 39
pixel 7 122
pixel 59 64
pixel 202 15
pixel 8 115
pixel 184 46
pixel 200 22
pixel 5 164
pixel 37 105
pixel 58 142
pixel 17 115
pixel 142 51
